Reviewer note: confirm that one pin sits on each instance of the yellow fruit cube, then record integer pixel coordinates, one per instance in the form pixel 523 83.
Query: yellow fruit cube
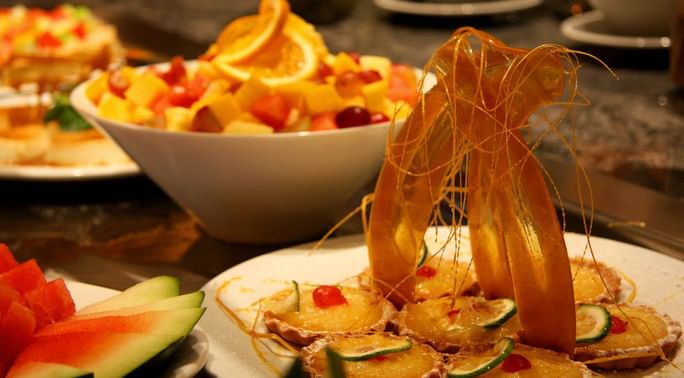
pixel 399 110
pixel 145 89
pixel 377 63
pixel 294 93
pixel 323 98
pixel 244 127
pixel 344 62
pixel 142 115
pixel 177 118
pixel 97 88
pixel 250 91
pixel 374 94
pixel 115 108
pixel 354 101
pixel 225 108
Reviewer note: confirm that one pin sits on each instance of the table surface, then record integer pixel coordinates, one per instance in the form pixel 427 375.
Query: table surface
pixel 115 232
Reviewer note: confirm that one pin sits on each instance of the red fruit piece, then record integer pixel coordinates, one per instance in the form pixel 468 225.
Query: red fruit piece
pixel 323 121
pixel 48 40
pixel 617 325
pixel 272 110
pixel 403 84
pixel 50 303
pixel 24 277
pixel 353 116
pixel 175 74
pixel 328 296
pixel 515 362
pixel 426 271
pixel 178 96
pixel 379 118
pixel 7 296
pixel 370 76
pixel 118 83
pixel 16 329
pixel 206 121
pixel 7 260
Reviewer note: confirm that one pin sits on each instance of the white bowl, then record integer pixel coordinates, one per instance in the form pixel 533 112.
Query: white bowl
pixel 637 17
pixel 256 189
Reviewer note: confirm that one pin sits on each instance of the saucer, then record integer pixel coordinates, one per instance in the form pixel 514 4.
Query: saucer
pixel 590 28
pixel 455 8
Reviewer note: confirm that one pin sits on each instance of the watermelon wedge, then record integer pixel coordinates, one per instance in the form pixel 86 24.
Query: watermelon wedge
pixel 17 325
pixel 7 296
pixel 7 260
pixel 50 303
pixel 24 277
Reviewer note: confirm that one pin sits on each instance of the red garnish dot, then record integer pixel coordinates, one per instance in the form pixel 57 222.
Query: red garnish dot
pixel 617 325
pixel 328 296
pixel 379 358
pixel 515 362
pixel 453 312
pixel 426 271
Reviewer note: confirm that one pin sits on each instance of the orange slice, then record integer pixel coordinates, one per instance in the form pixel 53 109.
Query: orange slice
pixel 246 36
pixel 290 57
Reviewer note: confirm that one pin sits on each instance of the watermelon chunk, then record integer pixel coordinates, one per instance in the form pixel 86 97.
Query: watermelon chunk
pixel 104 354
pixel 24 277
pixel 7 296
pixel 7 260
pixel 175 322
pixel 50 303
pixel 17 325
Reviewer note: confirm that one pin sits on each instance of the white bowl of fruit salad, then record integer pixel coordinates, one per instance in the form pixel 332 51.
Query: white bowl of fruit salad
pixel 262 149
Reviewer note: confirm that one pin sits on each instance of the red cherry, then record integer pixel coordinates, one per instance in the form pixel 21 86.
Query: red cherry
pixel 324 70
pixel 617 325
pixel 352 116
pixel 426 271
pixel 328 296
pixel 118 83
pixel 370 76
pixel 179 96
pixel 515 362
pixel 379 118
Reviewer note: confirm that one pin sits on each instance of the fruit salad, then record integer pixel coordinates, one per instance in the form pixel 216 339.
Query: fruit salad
pixel 266 73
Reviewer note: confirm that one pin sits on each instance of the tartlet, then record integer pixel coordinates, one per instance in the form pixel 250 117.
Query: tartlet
pixel 420 360
pixel 632 346
pixel 364 312
pixel 440 277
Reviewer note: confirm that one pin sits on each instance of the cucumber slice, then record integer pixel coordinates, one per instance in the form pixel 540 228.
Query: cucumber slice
pixel 290 303
pixel 498 311
pixel 476 365
pixel 423 255
pixel 374 346
pixel 593 323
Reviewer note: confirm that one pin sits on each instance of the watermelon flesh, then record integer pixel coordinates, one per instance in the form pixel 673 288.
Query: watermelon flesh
pixel 17 326
pixel 24 277
pixel 104 354
pixel 7 296
pixel 50 303
pixel 7 260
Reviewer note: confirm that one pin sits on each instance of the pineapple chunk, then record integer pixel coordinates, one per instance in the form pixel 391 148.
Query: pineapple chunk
pixel 397 110
pixel 375 93
pixel 252 90
pixel 242 127
pixel 323 98
pixel 377 63
pixel 146 89
pixel 178 118
pixel 225 108
pixel 97 88
pixel 344 62
pixel 114 107
pixel 142 115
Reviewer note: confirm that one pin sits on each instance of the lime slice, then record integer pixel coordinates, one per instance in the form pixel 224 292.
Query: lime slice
pixel 480 364
pixel 290 303
pixel 593 323
pixel 489 315
pixel 370 347
pixel 423 255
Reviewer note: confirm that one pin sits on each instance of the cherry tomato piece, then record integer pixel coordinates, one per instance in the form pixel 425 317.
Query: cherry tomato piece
pixel 80 30
pixel 353 116
pixel 328 296
pixel 272 110
pixel 617 325
pixel 426 271
pixel 48 40
pixel 515 362
pixel 118 83
pixel 379 118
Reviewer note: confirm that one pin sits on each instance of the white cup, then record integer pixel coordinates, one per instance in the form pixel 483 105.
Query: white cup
pixel 637 17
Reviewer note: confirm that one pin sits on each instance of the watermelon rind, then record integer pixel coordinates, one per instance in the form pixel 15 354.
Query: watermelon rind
pixel 49 370
pixel 146 292
pixel 191 300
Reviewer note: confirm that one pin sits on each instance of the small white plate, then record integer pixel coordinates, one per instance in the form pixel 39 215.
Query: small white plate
pixel 188 360
pixel 54 173
pixel 456 8
pixel 659 279
pixel 590 28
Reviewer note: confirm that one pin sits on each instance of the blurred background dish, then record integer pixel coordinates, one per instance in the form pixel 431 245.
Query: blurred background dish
pixel 591 28
pixel 645 18
pixel 456 8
